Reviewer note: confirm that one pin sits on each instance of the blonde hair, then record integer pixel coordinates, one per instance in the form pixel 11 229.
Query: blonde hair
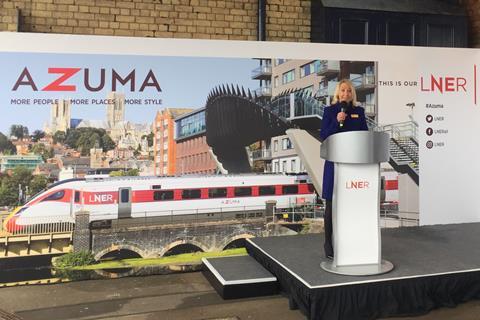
pixel 336 94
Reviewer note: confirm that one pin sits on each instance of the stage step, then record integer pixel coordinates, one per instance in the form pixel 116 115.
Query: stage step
pixel 239 277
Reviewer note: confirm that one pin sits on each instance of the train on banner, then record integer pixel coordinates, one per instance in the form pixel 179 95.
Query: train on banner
pixel 145 197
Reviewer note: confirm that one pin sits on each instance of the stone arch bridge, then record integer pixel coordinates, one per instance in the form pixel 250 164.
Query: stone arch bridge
pixel 151 241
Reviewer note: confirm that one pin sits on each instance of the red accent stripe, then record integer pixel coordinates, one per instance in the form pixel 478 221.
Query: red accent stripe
pixel 391 184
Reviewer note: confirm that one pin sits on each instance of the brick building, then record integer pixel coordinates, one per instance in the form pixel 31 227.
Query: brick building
pixel 164 145
pixel 193 152
pixel 272 20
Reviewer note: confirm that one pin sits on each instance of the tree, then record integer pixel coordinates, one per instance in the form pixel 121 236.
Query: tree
pixel 59 137
pixel 149 138
pixel 83 139
pixel 107 143
pixel 18 131
pixel 37 135
pixel 38 183
pixel 72 137
pixel 118 173
pixel 137 151
pixel 8 194
pixel 94 140
pixel 132 172
pixel 6 146
pixel 9 189
pixel 21 175
pixel 41 150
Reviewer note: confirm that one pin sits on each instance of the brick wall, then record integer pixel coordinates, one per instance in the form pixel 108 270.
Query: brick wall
pixel 287 20
pixel 473 12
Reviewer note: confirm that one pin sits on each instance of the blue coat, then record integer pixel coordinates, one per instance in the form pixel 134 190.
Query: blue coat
pixel 355 121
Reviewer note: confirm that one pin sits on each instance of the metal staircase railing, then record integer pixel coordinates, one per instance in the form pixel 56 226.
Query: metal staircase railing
pixel 404 147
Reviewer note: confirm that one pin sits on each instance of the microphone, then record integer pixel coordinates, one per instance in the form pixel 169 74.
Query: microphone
pixel 343 108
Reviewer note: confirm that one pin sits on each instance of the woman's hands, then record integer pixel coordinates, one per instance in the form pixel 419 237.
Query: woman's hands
pixel 341 116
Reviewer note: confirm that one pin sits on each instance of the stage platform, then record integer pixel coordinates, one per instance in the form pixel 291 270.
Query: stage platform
pixel 435 266
pixel 239 277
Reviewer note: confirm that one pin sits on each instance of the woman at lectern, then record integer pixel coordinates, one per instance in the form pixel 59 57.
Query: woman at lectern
pixel 343 115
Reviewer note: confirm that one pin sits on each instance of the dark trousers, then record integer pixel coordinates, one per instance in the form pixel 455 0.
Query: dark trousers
pixel 327 220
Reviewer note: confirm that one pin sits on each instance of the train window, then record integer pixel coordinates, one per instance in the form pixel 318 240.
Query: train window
pixel 77 196
pixel 157 186
pixel 217 192
pixel 125 195
pixel 266 190
pixel 243 191
pixel 55 196
pixel 290 189
pixel 191 194
pixel 163 195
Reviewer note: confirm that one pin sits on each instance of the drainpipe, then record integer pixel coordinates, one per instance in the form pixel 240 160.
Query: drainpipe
pixel 19 19
pixel 262 17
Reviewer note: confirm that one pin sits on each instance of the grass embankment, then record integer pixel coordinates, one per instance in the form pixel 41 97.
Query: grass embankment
pixel 186 258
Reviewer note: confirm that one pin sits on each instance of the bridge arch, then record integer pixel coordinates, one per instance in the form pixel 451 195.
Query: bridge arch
pixel 229 240
pixel 118 247
pixel 179 242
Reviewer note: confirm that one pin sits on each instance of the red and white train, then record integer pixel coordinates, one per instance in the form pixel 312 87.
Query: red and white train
pixel 109 198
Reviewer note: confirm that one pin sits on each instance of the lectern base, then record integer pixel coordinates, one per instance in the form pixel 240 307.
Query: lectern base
pixel 358 270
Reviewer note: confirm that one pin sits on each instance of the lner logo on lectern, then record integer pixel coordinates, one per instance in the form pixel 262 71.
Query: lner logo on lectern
pixel 357 184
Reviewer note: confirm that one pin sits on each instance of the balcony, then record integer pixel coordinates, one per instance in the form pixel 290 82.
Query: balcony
pixel 328 68
pixel 263 72
pixel 369 108
pixel 327 90
pixel 363 82
pixel 264 92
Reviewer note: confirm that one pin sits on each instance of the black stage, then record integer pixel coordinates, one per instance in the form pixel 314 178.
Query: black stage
pixel 239 277
pixel 435 266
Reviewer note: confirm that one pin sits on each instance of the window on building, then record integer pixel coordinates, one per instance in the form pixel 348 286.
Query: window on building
pixel 293 165
pixel 280 61
pixel 275 145
pixel 353 31
pixel 286 144
pixel 243 191
pixel 266 190
pixel 440 35
pixel 284 166
pixel 276 167
pixel 400 34
pixel 292 189
pixel 163 195
pixel 191 194
pixel 309 68
pixel 217 192
pixel 288 76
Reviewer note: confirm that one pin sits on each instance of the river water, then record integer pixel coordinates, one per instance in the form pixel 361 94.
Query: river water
pixel 31 269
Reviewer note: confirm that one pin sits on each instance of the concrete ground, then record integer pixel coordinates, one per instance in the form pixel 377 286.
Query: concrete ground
pixel 177 296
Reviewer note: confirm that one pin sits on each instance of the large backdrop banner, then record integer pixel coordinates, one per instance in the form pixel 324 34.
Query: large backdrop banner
pixel 428 99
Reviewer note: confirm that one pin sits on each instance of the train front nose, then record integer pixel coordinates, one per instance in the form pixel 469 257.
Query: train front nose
pixel 10 223
pixel 12 226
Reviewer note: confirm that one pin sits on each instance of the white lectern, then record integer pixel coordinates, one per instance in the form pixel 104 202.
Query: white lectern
pixel 356 201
